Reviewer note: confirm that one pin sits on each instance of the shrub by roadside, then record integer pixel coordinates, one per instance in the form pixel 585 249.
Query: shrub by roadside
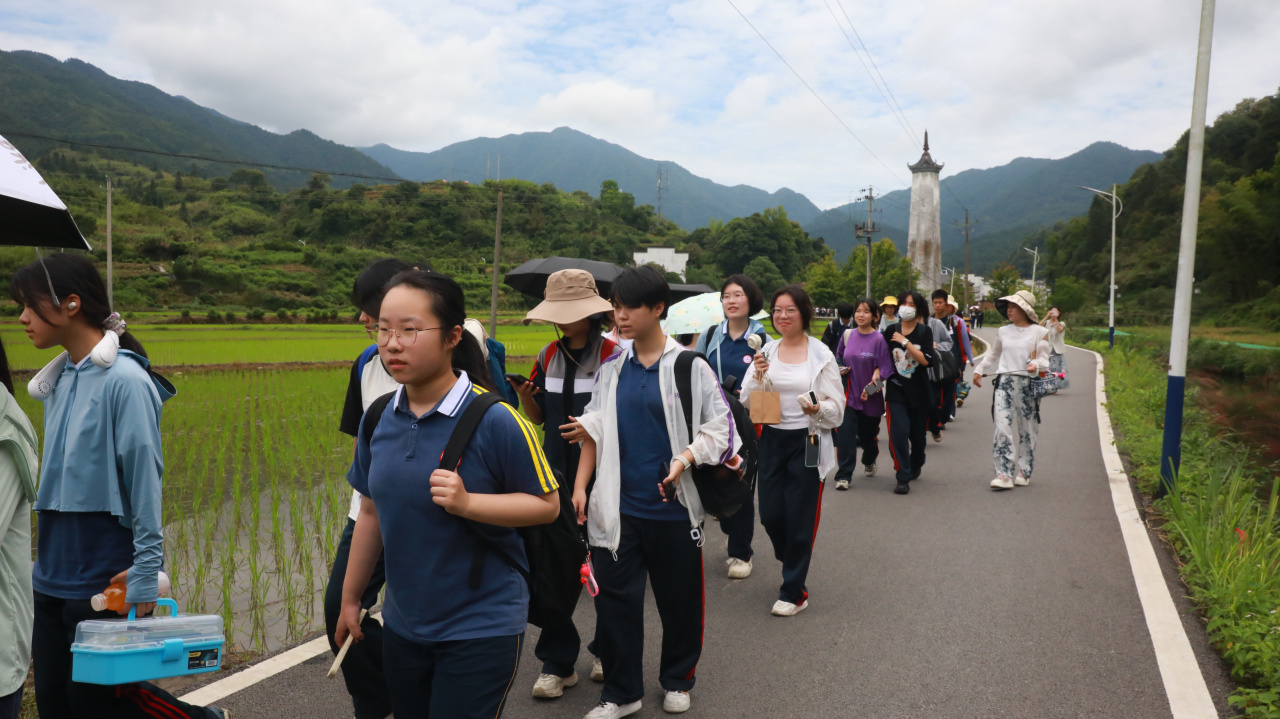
pixel 1226 537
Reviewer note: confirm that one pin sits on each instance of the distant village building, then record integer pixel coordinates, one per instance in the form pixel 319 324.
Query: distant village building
pixel 665 257
pixel 924 228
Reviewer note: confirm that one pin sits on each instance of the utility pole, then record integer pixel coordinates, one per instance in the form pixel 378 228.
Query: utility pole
pixel 497 254
pixel 865 231
pixel 1171 450
pixel 1116 208
pixel 1034 262
pixel 950 271
pixel 110 287
pixel 966 257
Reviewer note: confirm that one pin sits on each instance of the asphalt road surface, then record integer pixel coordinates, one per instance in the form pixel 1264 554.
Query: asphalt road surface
pixel 952 601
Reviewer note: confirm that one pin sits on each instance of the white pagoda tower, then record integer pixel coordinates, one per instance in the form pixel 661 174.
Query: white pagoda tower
pixel 924 229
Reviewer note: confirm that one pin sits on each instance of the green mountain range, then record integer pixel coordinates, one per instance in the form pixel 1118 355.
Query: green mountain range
pixel 1006 204
pixel 75 100
pixel 573 160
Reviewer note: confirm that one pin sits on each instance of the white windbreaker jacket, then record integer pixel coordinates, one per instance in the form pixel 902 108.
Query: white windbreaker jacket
pixel 715 438
pixel 826 383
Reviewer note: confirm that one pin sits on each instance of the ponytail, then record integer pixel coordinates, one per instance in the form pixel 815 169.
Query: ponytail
pixel 449 305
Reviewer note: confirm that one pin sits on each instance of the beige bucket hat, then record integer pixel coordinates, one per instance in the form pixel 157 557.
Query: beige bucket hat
pixel 1022 299
pixel 570 296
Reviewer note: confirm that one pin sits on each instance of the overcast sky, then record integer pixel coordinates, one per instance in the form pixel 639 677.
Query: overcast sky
pixel 688 82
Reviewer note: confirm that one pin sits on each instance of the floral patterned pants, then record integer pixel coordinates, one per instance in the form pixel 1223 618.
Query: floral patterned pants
pixel 1017 420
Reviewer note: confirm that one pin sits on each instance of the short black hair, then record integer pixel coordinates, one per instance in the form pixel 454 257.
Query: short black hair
pixel 643 285
pixel 845 310
pixel 801 298
pixel 939 294
pixel 871 305
pixel 917 300
pixel 371 284
pixel 755 298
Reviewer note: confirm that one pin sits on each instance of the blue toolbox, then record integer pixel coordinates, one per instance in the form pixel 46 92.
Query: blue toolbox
pixel 122 651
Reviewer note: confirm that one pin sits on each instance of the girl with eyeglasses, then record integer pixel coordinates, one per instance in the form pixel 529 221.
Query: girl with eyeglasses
pixel 453 635
pixel 797 455
pixel 728 350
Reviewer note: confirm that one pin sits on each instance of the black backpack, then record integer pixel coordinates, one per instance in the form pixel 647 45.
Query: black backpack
pixel 555 551
pixel 722 490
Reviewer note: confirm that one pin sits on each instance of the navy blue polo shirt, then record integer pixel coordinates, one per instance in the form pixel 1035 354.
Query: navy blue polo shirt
pixel 428 551
pixel 643 443
pixel 735 356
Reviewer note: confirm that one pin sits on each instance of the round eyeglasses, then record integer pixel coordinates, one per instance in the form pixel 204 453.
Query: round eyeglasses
pixel 407 336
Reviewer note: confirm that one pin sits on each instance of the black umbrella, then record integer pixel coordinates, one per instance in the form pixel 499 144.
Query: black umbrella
pixel 530 278
pixel 684 292
pixel 31 215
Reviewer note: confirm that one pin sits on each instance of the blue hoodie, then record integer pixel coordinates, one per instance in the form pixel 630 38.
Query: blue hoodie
pixel 102 456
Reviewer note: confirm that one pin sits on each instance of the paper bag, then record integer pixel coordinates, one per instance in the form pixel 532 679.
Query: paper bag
pixel 766 406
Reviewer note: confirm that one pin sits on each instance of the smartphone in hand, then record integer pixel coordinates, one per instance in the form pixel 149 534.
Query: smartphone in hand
pixel 873 387
pixel 668 489
pixel 518 380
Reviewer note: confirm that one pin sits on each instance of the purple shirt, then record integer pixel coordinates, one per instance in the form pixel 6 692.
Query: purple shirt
pixel 862 355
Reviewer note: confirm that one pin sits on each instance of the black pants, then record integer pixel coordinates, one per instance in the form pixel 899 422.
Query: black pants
pixel 906 438
pixel 669 553
pixel 11 704
pixel 790 506
pixel 558 648
pixel 57 697
pixel 943 404
pixel 741 529
pixel 857 431
pixel 362 669
pixel 464 679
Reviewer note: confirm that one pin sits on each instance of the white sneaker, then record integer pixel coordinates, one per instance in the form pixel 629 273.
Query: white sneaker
pixel 870 470
pixel 676 703
pixel 787 609
pixel 842 484
pixel 999 483
pixel 609 710
pixel 1021 481
pixel 739 569
pixel 550 686
pixel 597 670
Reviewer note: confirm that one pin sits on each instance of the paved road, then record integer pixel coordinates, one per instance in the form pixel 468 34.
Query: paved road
pixel 953 601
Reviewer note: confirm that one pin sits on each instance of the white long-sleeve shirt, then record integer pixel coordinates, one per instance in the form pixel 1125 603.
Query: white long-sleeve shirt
pixel 1013 349
pixel 1056 342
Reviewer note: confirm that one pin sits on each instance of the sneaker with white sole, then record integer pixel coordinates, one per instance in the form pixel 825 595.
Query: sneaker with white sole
pixel 550 686
pixel 869 470
pixel 676 703
pixel 597 670
pixel 609 710
pixel 738 568
pixel 1021 481
pixel 783 608
pixel 1002 483
pixel 842 484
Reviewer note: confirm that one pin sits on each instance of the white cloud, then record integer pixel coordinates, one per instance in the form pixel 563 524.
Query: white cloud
pixel 685 80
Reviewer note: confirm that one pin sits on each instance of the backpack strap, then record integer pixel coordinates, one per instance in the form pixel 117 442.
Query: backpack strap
pixel 374 414
pixel 684 385
pixel 461 436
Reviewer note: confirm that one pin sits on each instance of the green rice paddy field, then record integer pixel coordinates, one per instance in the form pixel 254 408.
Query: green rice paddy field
pixel 255 490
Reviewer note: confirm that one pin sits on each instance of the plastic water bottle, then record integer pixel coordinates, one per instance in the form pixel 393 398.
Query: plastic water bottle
pixel 112 598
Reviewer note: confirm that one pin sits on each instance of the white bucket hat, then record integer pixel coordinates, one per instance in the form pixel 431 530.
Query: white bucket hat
pixel 1024 300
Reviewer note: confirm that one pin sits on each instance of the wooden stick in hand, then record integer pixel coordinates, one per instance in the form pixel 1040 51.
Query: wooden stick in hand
pixel 342 653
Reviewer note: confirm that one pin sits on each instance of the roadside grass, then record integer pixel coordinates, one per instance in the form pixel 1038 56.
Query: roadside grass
pixel 1225 535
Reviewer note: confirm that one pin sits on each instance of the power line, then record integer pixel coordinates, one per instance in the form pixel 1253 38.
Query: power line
pixel 914 136
pixel 847 39
pixel 814 92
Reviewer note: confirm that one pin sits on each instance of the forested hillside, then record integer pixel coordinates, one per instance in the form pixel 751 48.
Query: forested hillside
pixel 183 241
pixel 1238 245
pixel 77 101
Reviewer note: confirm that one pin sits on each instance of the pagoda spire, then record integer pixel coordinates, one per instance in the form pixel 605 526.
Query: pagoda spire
pixel 926 140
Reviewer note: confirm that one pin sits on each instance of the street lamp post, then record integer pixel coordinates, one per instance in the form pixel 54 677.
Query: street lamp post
pixel 1036 261
pixel 1116 208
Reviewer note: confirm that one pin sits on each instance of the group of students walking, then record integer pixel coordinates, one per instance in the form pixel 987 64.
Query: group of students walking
pixel 442 540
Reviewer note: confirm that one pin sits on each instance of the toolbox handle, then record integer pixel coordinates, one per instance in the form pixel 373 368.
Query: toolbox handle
pixel 161 602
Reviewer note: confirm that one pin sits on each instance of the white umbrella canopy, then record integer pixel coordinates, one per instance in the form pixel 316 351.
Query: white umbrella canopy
pixel 31 214
pixel 697 313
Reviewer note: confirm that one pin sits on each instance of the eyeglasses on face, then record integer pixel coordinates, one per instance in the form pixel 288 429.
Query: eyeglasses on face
pixel 407 335
pixel 785 311
pixel 733 296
